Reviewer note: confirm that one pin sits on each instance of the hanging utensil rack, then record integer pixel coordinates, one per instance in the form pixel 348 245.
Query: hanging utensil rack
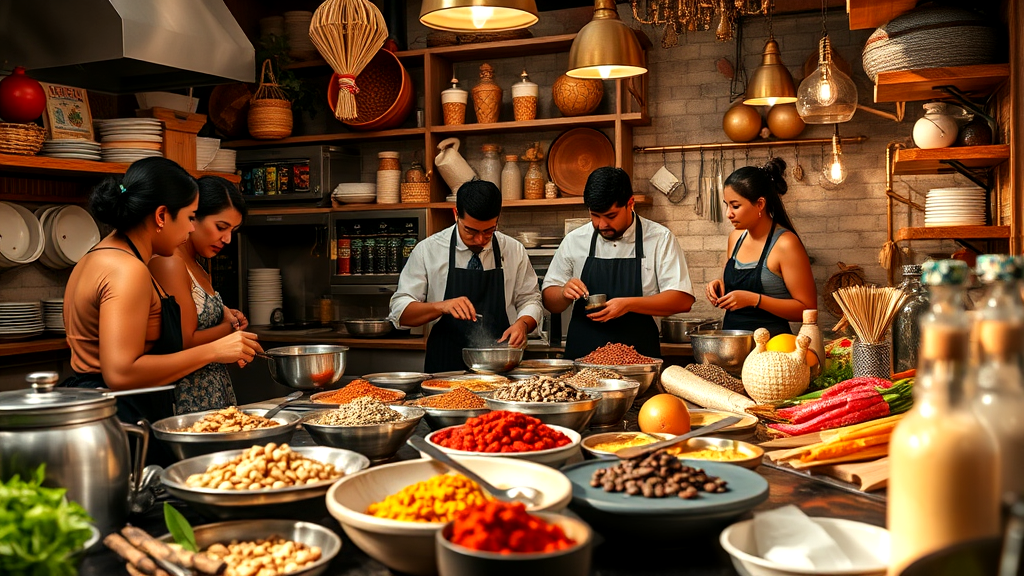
pixel 744 145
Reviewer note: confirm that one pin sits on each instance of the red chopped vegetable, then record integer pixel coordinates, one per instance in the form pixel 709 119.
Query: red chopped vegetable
pixel 854 383
pixel 857 405
pixel 805 412
pixel 506 528
pixel 501 431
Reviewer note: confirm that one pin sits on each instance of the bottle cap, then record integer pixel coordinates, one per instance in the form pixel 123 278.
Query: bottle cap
pixel 810 316
pixel 997 268
pixel 944 273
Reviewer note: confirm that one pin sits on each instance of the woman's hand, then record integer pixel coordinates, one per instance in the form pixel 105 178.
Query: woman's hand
pixel 240 347
pixel 714 290
pixel 241 322
pixel 737 299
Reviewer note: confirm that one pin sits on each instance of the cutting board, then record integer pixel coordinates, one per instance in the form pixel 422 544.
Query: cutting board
pixel 866 476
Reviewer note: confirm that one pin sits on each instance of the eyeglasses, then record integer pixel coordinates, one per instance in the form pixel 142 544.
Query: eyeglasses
pixel 474 233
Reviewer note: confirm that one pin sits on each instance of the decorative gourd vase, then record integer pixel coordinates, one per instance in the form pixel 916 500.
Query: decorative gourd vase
pixel 486 96
pixel 770 376
pixel 936 129
pixel 577 96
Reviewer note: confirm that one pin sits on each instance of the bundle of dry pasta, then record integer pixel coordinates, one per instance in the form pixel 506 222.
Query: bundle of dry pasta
pixel 865 441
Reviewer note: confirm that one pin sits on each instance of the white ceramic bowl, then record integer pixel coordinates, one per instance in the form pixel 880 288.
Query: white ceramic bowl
pixel 867 547
pixel 23 241
pixel 409 546
pixel 553 457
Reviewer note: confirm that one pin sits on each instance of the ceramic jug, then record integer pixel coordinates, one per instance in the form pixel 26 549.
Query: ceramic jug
pixel 452 166
pixel 936 129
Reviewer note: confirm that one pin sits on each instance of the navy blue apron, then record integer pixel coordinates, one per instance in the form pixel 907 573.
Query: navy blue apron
pixel 751 318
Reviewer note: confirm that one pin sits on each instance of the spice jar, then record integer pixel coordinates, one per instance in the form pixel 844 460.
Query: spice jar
pixel 550 190
pixel 533 183
pixel 326 310
pixel 524 98
pixel 415 173
pixel 453 104
pixel 511 179
pixel 388 161
pixel 389 178
pixel 486 96
pixel 490 166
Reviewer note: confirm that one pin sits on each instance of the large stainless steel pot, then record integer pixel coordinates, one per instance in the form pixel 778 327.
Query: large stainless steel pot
pixel 678 329
pixel 75 432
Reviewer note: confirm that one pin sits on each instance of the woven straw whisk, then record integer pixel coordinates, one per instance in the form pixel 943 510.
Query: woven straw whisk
pixel 347 33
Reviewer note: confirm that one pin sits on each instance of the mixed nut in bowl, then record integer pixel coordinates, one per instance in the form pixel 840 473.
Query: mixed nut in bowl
pixel 198 433
pixel 547 399
pixel 261 481
pixel 617 396
pixel 377 438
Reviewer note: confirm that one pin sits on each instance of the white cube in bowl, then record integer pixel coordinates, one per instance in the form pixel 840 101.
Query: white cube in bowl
pixel 554 457
pixel 865 545
pixel 409 546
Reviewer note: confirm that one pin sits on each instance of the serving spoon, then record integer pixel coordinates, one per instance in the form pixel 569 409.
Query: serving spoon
pixel 633 452
pixel 282 404
pixel 525 494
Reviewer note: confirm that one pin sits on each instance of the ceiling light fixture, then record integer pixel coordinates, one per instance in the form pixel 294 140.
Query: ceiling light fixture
pixel 478 15
pixel 827 95
pixel 606 47
pixel 835 170
pixel 771 82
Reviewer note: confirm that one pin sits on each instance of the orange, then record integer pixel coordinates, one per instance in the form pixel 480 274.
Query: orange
pixel 787 343
pixel 664 413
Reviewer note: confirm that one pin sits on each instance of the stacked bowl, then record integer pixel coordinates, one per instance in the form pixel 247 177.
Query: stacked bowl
pixel 20 320
pixel 69 233
pixel 21 236
pixel 265 294
pixel 355 193
pixel 129 139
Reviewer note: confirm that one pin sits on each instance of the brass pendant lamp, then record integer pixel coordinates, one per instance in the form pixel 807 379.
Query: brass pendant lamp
pixel 606 47
pixel 771 82
pixel 478 15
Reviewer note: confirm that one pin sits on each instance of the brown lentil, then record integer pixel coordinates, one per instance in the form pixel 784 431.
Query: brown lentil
pixel 588 377
pixel 356 389
pixel 539 389
pixel 718 375
pixel 615 354
pixel 359 412
pixel 458 399
pixel 655 476
pixel 474 385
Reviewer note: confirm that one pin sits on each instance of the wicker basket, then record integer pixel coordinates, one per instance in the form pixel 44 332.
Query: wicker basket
pixel 270 112
pixel 930 38
pixel 22 139
pixel 415 192
pixel 847 276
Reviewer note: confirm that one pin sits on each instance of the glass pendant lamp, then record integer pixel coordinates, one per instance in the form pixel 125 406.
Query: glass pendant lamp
pixel 478 15
pixel 606 47
pixel 827 95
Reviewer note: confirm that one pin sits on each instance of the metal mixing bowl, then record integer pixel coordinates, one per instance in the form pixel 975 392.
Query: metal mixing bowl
pixel 372 328
pixel 544 366
pixel 725 348
pixel 572 415
pixel 677 329
pixel 305 502
pixel 308 367
pixel 249 530
pixel 437 418
pixel 189 444
pixel 645 374
pixel 492 360
pixel 616 398
pixel 375 441
pixel 405 381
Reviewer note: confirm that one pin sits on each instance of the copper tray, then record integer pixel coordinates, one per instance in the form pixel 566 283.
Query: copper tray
pixel 575 154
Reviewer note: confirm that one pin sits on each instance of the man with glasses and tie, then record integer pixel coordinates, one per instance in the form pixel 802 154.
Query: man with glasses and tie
pixel 475 282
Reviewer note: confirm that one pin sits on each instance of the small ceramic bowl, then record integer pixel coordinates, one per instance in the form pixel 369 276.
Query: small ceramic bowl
pixel 747 455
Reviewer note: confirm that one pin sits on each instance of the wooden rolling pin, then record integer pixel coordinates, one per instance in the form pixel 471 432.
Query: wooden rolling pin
pixel 681 382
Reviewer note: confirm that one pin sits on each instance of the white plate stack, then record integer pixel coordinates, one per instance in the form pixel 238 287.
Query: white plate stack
pixel 296 27
pixel 355 193
pixel 223 161
pixel 71 149
pixel 264 294
pixel 206 150
pixel 126 140
pixel 955 207
pixel 20 320
pixel 69 232
pixel 53 314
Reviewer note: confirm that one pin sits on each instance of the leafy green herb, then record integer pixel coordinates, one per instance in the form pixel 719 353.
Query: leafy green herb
pixel 179 528
pixel 836 371
pixel 40 530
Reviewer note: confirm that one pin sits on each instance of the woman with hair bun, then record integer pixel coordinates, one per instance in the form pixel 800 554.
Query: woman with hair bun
pixel 123 329
pixel 767 281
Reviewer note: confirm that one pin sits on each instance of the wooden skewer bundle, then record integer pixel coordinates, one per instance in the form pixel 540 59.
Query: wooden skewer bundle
pixel 348 33
pixel 870 310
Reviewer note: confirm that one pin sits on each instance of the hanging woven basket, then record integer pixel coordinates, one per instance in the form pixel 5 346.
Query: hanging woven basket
pixel 270 111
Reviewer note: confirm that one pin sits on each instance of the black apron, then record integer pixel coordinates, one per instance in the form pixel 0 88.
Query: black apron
pixel 152 406
pixel 751 318
pixel 618 278
pixel 486 290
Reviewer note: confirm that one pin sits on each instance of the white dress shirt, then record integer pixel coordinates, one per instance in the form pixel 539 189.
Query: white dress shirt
pixel 664 266
pixel 425 276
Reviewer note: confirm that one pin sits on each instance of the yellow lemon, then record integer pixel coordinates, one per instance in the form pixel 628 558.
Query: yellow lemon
pixel 787 343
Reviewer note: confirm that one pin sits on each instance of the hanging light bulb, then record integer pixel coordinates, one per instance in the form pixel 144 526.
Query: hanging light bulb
pixel 827 95
pixel 606 47
pixel 835 170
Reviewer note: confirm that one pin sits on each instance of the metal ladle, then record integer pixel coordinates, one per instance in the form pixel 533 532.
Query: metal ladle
pixel 281 405
pixel 525 494
pixel 635 451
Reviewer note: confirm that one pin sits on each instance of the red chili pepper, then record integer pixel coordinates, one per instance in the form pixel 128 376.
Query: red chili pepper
pixel 501 431
pixel 810 410
pixel 506 528
pixel 854 383
pixel 830 419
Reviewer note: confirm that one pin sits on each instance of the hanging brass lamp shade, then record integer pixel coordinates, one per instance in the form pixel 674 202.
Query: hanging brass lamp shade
pixel 771 82
pixel 478 15
pixel 606 47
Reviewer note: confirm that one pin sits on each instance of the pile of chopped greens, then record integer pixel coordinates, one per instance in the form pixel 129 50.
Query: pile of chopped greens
pixel 40 529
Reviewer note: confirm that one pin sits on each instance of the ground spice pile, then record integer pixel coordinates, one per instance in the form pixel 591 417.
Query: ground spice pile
pixel 356 389
pixel 458 399
pixel 615 354
pixel 501 431
pixel 359 412
pixel 506 528
pixel 438 499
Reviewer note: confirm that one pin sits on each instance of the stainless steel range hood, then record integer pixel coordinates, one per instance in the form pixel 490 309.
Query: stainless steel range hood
pixel 125 46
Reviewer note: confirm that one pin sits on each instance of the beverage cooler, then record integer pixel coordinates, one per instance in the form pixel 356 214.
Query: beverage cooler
pixel 371 248
pixel 296 174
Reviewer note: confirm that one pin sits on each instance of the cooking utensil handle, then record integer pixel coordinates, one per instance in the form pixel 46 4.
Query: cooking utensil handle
pixel 628 453
pixel 424 446
pixel 141 448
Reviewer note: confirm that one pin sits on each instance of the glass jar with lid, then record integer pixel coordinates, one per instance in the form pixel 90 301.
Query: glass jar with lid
pixel 511 179
pixel 524 98
pixel 490 166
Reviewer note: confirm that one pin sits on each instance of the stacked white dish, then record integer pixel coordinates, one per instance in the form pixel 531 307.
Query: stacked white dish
pixel 126 140
pixel 355 193
pixel 223 161
pixel 955 207
pixel 69 232
pixel 206 151
pixel 265 294
pixel 71 149
pixel 296 27
pixel 21 236
pixel 53 314
pixel 20 320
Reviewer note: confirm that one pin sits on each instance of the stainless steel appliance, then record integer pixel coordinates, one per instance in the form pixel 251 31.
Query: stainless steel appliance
pixel 298 174
pixel 372 247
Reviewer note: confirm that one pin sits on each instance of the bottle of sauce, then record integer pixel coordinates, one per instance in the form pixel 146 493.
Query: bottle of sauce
pixel 344 252
pixel 811 330
pixel 944 463
pixel 409 240
pixel 906 327
pixel 999 384
pixel 357 249
pixel 370 251
pixel 394 250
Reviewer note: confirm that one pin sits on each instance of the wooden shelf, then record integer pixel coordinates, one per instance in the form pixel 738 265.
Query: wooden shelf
pixel 542 124
pixel 564 201
pixel 77 168
pixel 874 13
pixel 396 134
pixel 912 85
pixel 31 346
pixel 953 233
pixel 918 161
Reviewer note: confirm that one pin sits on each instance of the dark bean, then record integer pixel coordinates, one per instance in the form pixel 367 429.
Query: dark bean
pixel 710 487
pixel 647 490
pixel 659 491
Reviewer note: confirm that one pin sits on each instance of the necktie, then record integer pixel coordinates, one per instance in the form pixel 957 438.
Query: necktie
pixel 475 263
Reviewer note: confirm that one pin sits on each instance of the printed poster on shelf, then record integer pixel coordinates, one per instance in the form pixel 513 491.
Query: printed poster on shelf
pixel 67 113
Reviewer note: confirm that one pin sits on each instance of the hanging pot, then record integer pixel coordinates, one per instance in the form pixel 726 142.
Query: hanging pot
pixel 386 94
